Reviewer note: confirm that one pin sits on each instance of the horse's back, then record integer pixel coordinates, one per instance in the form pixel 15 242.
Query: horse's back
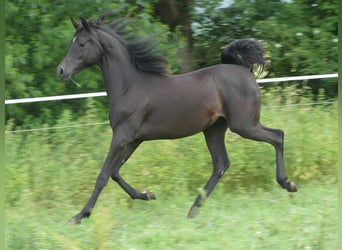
pixel 232 81
pixel 186 104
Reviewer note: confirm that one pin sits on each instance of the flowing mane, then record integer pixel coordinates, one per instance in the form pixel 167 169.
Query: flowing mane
pixel 143 51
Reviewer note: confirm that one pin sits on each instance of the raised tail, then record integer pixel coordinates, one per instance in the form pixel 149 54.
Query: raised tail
pixel 247 52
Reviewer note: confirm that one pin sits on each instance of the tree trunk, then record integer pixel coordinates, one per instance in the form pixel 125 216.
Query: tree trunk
pixel 179 13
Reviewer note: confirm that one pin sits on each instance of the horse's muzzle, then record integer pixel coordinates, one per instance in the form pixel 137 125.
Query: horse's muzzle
pixel 62 73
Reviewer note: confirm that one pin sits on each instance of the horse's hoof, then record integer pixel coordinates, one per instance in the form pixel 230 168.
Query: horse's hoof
pixel 149 195
pixel 193 212
pixel 292 187
pixel 74 221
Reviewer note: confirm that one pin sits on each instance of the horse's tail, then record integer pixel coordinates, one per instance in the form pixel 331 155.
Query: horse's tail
pixel 247 52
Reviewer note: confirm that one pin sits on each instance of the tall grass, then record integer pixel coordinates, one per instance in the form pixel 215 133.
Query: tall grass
pixel 50 175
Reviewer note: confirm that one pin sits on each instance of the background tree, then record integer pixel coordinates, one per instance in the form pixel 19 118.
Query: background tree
pixel 178 13
pixel 300 38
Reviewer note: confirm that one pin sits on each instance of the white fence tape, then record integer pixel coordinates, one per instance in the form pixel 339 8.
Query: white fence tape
pixel 97 94
pixel 297 78
pixel 55 98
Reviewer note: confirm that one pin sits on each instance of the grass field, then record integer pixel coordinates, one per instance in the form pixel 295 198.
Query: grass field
pixel 258 219
pixel 50 175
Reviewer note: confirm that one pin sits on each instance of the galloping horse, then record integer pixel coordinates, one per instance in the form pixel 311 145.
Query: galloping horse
pixel 147 103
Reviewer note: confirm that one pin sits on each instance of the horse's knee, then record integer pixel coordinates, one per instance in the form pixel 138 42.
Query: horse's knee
pixel 115 177
pixel 224 167
pixel 101 182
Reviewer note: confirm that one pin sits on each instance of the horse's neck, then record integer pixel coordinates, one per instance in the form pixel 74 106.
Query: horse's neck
pixel 117 74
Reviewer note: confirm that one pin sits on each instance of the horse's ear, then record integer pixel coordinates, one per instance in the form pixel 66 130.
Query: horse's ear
pixel 74 23
pixel 85 23
pixel 105 14
pixel 118 24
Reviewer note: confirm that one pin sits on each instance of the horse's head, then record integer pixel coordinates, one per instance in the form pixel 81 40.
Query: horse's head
pixel 85 49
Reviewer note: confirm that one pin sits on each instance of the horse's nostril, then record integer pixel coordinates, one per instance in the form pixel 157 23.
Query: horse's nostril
pixel 61 71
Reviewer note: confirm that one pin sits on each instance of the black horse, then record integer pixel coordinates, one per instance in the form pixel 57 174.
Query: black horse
pixel 146 103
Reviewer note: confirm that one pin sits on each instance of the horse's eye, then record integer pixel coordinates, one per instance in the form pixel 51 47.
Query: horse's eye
pixel 82 44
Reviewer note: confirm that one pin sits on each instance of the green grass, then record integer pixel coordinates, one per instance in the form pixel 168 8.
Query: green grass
pixel 51 174
pixel 258 219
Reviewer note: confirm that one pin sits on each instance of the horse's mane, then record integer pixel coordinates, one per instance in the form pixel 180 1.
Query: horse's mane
pixel 142 51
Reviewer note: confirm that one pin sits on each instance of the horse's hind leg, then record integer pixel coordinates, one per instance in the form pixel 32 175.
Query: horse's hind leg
pixel 215 141
pixel 275 137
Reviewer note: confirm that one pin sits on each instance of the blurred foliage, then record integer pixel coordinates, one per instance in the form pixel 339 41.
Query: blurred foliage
pixel 50 174
pixel 37 38
pixel 300 38
pixel 258 219
pixel 50 164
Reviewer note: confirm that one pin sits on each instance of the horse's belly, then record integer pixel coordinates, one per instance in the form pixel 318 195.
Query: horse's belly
pixel 172 125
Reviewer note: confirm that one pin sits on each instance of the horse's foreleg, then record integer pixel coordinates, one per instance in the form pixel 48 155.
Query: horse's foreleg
pixel 215 141
pixel 113 160
pixel 132 192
